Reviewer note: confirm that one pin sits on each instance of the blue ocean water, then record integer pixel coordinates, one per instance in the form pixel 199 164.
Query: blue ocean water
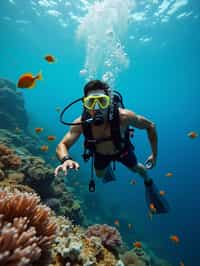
pixel 161 83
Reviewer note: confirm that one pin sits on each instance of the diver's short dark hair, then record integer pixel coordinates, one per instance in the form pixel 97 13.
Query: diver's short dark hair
pixel 96 84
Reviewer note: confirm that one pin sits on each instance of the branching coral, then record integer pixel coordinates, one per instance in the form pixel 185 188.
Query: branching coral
pixel 110 236
pixel 26 228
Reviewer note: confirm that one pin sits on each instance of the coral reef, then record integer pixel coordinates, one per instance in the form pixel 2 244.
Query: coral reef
pixel 73 247
pixel 71 207
pixel 110 236
pixel 136 257
pixel 8 160
pixel 12 111
pixel 38 175
pixel 26 228
pixel 131 259
pixel 34 172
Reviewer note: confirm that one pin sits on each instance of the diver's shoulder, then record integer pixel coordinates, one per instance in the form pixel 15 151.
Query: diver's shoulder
pixel 78 126
pixel 124 115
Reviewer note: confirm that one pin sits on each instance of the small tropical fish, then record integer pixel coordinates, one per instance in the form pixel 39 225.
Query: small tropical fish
pixel 28 81
pixel 129 226
pixel 44 148
pixel 162 192
pixel 39 129
pixel 116 222
pixel 169 174
pixel 137 244
pixel 51 138
pixel 50 58
pixel 181 263
pixel 192 135
pixel 152 208
pixel 174 238
pixel 58 109
pixel 133 182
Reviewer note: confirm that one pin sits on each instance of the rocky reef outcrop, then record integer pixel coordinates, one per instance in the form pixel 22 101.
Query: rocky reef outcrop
pixel 12 110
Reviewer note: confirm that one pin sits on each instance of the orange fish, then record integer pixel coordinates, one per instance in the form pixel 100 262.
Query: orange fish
pixel 132 182
pixel 168 174
pixel 181 263
pixel 50 58
pixel 116 222
pixel 44 148
pixel 192 135
pixel 39 129
pixel 162 192
pixel 51 138
pixel 152 208
pixel 28 81
pixel 137 244
pixel 175 239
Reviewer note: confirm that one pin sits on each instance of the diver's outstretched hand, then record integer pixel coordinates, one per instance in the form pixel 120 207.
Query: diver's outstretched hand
pixel 150 162
pixel 69 164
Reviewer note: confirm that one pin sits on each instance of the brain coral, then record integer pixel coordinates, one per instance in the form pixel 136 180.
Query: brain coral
pixel 26 228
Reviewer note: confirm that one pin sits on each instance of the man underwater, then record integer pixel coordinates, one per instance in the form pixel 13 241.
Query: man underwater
pixel 109 141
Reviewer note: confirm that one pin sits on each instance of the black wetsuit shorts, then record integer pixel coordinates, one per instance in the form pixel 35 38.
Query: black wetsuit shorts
pixel 127 157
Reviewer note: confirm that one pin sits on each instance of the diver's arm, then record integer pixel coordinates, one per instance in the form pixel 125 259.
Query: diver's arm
pixel 137 121
pixel 69 139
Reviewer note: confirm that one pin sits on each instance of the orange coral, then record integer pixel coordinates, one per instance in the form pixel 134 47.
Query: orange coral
pixel 26 228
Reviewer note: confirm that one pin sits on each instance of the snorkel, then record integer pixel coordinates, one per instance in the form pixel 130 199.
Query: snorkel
pixel 97 106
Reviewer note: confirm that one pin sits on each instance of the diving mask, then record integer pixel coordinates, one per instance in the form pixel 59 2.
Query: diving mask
pixel 102 100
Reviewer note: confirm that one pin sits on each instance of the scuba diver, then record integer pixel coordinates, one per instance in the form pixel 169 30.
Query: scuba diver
pixel 107 127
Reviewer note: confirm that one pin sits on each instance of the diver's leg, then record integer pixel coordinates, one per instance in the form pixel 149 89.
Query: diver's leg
pixel 106 174
pixel 141 170
pixel 128 158
pixel 103 168
pixel 153 197
pixel 100 172
pixel 155 201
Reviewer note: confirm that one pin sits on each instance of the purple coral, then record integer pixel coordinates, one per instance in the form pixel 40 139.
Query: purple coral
pixel 26 228
pixel 110 236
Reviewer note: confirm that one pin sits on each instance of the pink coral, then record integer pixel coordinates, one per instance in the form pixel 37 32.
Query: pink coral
pixel 110 236
pixel 26 228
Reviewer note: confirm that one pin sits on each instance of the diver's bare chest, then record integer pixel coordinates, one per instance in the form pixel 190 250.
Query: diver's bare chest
pixel 99 132
pixel 106 147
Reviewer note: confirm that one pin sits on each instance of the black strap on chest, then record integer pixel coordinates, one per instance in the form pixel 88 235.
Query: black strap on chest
pixel 90 142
